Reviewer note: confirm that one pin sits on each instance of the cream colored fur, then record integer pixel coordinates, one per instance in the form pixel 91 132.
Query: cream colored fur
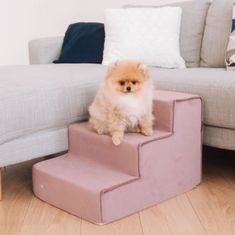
pixel 123 102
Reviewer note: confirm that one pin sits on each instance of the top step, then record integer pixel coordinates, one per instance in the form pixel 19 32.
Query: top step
pixel 88 144
pixel 163 107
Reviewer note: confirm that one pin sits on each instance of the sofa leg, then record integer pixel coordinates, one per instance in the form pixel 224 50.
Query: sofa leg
pixel 1 184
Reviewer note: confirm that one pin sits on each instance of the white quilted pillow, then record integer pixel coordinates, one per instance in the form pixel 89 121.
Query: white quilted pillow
pixel 149 35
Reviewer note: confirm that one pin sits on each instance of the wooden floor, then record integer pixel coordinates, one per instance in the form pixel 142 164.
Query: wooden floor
pixel 207 209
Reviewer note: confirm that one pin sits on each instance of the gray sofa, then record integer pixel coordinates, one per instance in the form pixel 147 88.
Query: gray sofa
pixel 39 101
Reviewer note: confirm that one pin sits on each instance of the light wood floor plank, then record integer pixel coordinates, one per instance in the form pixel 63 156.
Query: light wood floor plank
pixel 17 197
pixel 53 229
pixel 42 218
pixel 173 217
pixel 1 184
pixel 127 226
pixel 214 203
pixel 13 210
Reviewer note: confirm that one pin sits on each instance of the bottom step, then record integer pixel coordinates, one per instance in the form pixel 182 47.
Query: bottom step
pixel 77 183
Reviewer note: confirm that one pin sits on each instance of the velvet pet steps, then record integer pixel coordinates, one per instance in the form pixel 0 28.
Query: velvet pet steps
pixel 101 183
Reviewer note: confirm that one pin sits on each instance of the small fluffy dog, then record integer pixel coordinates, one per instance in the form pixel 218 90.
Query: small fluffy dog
pixel 123 102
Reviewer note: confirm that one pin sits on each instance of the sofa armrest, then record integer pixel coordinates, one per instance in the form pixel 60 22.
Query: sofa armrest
pixel 44 50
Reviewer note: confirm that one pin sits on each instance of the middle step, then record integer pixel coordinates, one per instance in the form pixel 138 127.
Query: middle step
pixel 84 143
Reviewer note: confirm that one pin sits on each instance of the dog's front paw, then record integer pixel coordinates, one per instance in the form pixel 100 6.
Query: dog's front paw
pixel 117 139
pixel 147 131
pixel 100 131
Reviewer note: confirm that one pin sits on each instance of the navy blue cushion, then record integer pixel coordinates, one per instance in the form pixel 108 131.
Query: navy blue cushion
pixel 233 25
pixel 83 43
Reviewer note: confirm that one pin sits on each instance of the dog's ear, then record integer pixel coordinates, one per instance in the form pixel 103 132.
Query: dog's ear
pixel 143 68
pixel 111 68
pixel 113 65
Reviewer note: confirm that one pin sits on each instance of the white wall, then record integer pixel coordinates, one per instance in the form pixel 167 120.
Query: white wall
pixel 22 20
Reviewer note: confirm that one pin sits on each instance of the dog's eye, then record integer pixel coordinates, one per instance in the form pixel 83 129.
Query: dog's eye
pixel 122 83
pixel 134 82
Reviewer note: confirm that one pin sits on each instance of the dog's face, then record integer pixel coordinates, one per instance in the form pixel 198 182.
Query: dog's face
pixel 127 77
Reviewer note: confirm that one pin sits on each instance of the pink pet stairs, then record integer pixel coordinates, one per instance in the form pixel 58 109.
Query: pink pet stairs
pixel 100 182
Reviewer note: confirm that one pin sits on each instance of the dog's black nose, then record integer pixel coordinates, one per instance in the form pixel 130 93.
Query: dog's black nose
pixel 128 88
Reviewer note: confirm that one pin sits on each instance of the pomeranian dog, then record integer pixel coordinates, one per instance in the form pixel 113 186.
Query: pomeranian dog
pixel 123 102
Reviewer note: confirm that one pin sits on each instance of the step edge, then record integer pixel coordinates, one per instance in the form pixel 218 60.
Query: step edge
pixel 184 95
pixel 169 134
pixel 134 178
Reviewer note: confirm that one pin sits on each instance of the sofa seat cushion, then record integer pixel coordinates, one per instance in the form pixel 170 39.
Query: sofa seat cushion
pixel 37 98
pixel 215 85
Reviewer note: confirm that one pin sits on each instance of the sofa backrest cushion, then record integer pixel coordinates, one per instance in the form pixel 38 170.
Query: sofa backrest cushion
pixel 149 35
pixel 216 34
pixel 230 53
pixel 83 43
pixel 233 24
pixel 192 28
